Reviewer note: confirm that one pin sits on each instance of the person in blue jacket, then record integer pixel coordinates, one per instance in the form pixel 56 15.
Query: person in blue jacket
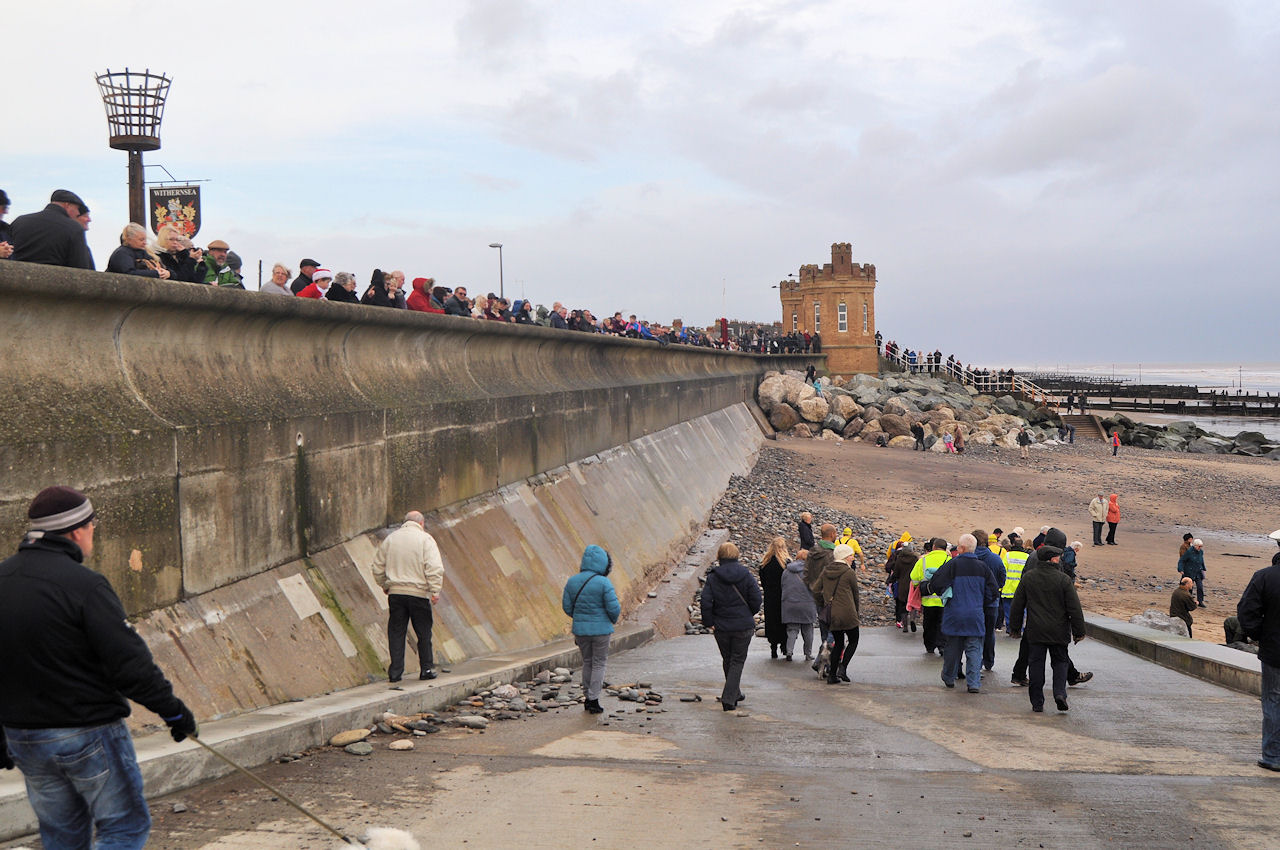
pixel 730 599
pixel 589 598
pixel 973 588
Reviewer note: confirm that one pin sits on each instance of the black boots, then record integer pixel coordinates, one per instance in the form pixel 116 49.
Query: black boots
pixel 592 706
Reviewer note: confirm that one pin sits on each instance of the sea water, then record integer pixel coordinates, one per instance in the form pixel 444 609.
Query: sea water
pixel 1229 378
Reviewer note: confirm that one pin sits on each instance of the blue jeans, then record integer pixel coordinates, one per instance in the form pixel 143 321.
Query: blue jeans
pixel 80 781
pixel 1270 714
pixel 971 646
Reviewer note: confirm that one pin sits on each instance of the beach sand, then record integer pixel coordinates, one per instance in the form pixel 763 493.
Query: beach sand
pixel 1232 503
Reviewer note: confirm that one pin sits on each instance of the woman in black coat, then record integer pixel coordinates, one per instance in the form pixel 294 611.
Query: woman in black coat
pixel 377 294
pixel 183 264
pixel 771 568
pixel 132 257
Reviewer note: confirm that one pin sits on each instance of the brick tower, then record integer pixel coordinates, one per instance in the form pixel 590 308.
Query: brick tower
pixel 837 301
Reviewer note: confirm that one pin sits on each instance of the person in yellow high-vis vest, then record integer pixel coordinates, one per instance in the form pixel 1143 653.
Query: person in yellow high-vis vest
pixel 1015 562
pixel 931 605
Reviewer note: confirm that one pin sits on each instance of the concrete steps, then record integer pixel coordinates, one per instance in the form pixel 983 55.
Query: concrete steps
pixel 1086 425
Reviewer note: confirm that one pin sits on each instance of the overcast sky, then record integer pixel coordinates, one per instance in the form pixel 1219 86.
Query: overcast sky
pixel 1095 181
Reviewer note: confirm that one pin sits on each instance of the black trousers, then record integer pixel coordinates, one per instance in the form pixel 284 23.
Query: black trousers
pixel 1024 656
pixel 1058 661
pixel 405 610
pixel 989 639
pixel 1111 532
pixel 1097 534
pixel 932 616
pixel 846 644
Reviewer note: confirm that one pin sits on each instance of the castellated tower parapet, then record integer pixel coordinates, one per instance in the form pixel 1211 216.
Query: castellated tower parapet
pixel 835 301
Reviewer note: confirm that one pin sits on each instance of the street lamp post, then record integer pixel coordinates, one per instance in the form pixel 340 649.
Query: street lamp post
pixel 501 290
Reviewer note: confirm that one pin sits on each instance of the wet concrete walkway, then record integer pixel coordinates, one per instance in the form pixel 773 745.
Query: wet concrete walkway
pixel 1145 758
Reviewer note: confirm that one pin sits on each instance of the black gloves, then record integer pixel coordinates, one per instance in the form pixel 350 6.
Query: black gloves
pixel 182 725
pixel 6 762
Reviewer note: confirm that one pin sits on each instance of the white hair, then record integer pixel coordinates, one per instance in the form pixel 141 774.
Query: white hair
pixel 415 516
pixel 1077 545
pixel 1044 529
pixel 968 542
pixel 1197 542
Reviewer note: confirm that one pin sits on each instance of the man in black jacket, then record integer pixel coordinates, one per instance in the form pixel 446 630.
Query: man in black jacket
pixel 1259 615
pixel 1054 619
pixel 306 268
pixel 69 663
pixel 457 303
pixel 53 236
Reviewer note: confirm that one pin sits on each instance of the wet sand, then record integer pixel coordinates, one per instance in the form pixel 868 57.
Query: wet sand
pixel 1232 503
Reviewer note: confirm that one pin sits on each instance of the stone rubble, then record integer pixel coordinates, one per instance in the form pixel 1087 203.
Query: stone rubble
pixel 767 503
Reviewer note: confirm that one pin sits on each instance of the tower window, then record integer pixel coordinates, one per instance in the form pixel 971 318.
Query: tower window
pixel 817 317
pixel 842 317
pixel 866 318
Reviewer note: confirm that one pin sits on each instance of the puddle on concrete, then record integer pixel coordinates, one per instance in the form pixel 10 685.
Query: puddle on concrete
pixel 599 744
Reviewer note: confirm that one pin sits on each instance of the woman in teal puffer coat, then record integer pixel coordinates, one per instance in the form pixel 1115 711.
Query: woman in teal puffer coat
pixel 589 598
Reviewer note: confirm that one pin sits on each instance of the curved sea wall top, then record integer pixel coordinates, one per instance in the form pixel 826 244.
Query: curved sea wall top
pixel 223 433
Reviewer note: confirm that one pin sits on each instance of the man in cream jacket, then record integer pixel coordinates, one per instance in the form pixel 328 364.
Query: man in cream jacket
pixel 408 568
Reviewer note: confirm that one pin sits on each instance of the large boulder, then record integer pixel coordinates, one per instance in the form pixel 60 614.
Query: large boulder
pixel 971 415
pixel 1008 404
pixel 1008 441
pixel 1184 428
pixel 797 391
pixel 900 406
pixel 894 425
pixel 871 413
pixel 1142 440
pixel 980 438
pixel 1169 442
pixel 1249 449
pixel 870 429
pixel 814 409
pixel 901 442
pixel 833 423
pixel 853 427
pixel 783 417
pixel 833 436
pixel 1042 414
pixel 1250 437
pixel 802 429
pixel 1274 454
pixel 869 395
pixel 1209 446
pixel 1161 622
pixel 845 407
pixel 772 391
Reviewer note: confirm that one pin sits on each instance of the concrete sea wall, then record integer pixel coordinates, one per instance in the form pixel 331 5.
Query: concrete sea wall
pixel 240 448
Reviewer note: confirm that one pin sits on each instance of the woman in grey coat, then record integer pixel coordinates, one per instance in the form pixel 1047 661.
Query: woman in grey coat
pixel 798 608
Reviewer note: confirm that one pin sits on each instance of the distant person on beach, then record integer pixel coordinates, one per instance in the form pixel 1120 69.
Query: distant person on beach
pixel 1098 513
pixel 1182 603
pixel 410 571
pixel 730 600
pixel 1186 543
pixel 846 537
pixel 1191 566
pixel 1113 519
pixel 1024 443
pixel 1071 402
pixel 950 442
pixel 1259 615
pixel 1080 401
pixel 917 431
pixel 959 441
pixel 1115 442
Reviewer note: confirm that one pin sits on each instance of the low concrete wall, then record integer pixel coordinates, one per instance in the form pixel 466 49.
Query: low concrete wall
pixel 1221 665
pixel 223 434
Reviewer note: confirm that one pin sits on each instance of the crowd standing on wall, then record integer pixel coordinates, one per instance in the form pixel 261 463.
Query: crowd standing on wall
pixel 56 236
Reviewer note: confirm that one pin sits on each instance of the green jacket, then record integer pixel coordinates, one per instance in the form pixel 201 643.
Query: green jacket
pixel 222 277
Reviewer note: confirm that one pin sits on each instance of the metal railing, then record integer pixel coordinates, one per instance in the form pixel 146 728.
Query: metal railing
pixel 983 380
